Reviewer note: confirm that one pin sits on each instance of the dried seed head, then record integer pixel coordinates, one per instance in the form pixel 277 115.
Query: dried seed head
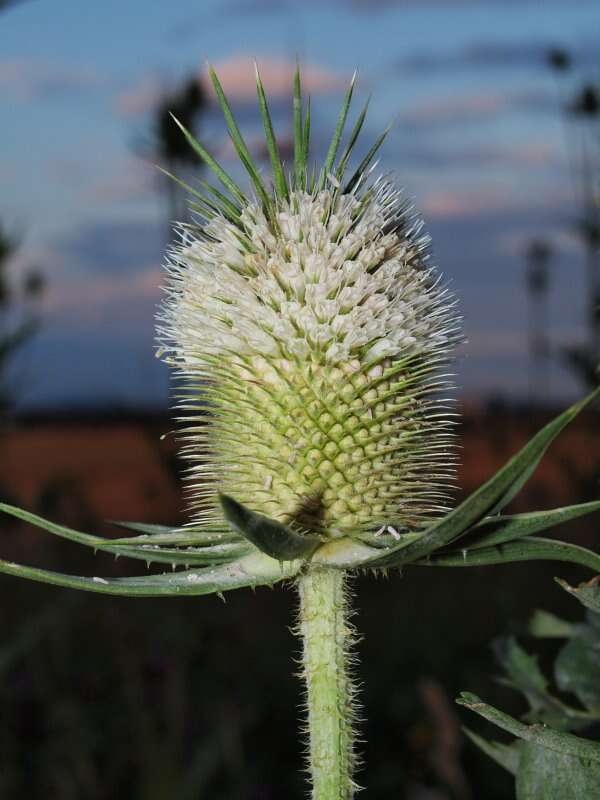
pixel 310 332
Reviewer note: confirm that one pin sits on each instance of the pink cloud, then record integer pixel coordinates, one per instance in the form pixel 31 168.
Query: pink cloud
pixel 477 107
pixel 277 74
pixel 98 299
pixel 142 97
pixel 460 108
pixel 237 77
pixel 534 153
pixel 133 181
pixel 446 204
pixel 32 79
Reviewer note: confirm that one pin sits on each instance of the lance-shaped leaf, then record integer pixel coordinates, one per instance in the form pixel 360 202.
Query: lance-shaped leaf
pixel 496 530
pixel 212 164
pixel 278 175
pixel 545 774
pixel 341 168
pixel 558 741
pixel 267 534
pixel 239 144
pixel 577 667
pixel 552 765
pixel 489 498
pixel 587 593
pixel 299 153
pixel 544 625
pixel 253 570
pixel 362 167
pixel 141 548
pixel 337 135
pixel 506 755
pixel 524 674
pixel 532 549
pixel 205 536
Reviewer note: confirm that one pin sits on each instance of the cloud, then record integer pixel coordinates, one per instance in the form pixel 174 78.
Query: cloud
pixel 135 180
pixel 494 54
pixel 92 302
pixel 461 204
pixel 112 247
pixel 370 6
pixel 105 272
pixel 485 54
pixel 277 74
pixel 30 79
pixel 237 77
pixel 142 97
pixel 469 204
pixel 436 154
pixel 477 107
pixel 359 6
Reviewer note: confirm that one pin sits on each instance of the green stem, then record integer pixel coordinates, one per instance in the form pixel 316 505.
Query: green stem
pixel 326 638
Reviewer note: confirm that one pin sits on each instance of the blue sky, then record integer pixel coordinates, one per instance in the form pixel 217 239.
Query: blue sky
pixel 477 142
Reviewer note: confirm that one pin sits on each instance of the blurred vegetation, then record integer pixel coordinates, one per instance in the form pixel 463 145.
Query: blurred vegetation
pixel 579 108
pixel 18 314
pixel 547 760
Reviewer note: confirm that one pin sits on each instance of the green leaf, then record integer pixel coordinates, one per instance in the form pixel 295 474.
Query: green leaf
pixel 299 154
pixel 267 534
pixel 201 536
pixel 352 141
pixel 577 667
pixel 362 167
pixel 544 625
pixel 306 139
pixel 532 549
pixel 545 774
pixel 506 755
pixel 212 164
pixel 551 765
pixel 239 143
pixel 490 497
pixel 495 530
pixel 557 741
pixel 523 671
pixel 278 174
pixel 587 593
pixel 253 570
pixel 151 529
pixel 138 548
pixel 209 209
pixel 337 135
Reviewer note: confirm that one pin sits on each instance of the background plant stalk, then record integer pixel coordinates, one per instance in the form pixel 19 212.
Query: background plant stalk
pixel 326 639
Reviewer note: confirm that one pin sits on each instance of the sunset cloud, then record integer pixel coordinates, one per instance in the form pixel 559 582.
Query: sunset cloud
pixel 277 74
pixel 236 74
pixel 30 79
pixel 477 107
pixel 141 97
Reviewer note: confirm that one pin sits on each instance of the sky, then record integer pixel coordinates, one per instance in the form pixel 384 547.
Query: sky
pixel 477 143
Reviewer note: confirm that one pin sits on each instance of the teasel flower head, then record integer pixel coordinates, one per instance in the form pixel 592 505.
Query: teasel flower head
pixel 311 330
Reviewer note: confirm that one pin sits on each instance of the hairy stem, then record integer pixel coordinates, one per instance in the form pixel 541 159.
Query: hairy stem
pixel 326 639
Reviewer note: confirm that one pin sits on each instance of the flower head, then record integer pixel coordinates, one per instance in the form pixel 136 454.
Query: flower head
pixel 310 330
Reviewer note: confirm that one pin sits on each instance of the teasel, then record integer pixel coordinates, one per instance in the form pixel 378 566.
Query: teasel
pixel 311 337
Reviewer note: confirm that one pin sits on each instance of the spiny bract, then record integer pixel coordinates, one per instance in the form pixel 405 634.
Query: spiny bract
pixel 310 332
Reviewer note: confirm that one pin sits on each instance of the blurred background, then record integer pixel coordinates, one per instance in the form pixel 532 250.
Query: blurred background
pixel 495 108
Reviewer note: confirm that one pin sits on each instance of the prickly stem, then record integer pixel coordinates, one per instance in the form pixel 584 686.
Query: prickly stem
pixel 327 637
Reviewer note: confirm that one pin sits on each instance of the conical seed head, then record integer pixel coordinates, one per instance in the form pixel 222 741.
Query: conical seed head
pixel 311 341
